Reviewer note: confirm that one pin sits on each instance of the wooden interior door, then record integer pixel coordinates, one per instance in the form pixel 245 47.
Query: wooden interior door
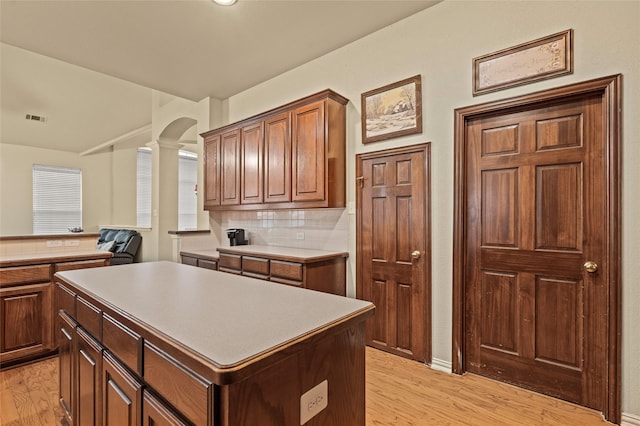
pixel 394 249
pixel 539 234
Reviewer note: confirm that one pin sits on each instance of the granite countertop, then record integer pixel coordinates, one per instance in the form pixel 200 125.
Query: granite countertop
pixel 285 253
pixel 227 319
pixel 24 259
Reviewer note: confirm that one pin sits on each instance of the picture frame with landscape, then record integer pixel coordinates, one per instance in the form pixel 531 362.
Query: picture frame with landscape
pixel 393 110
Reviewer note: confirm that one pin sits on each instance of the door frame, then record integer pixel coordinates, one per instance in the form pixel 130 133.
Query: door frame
pixel 610 89
pixel 426 149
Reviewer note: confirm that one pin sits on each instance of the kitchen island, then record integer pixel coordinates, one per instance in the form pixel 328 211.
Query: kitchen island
pixel 165 343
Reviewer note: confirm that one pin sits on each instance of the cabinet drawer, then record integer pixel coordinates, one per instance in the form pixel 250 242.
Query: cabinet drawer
pixel 65 300
pixel 256 265
pixel 25 274
pixel 208 264
pixel 188 260
pixel 122 342
pixel 187 391
pixel 230 261
pixel 80 264
pixel 289 270
pixel 89 317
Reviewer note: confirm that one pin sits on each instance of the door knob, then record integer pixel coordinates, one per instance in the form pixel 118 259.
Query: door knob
pixel 590 266
pixel 415 254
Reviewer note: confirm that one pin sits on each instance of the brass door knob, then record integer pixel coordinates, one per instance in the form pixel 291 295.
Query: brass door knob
pixel 590 266
pixel 415 254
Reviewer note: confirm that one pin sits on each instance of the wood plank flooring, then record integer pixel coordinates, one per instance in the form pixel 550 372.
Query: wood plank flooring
pixel 399 392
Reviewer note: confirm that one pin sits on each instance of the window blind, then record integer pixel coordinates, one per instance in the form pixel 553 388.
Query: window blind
pixel 57 199
pixel 143 188
pixel 187 195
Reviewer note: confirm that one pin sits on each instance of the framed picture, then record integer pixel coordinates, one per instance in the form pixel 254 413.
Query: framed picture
pixel 393 110
pixel 546 57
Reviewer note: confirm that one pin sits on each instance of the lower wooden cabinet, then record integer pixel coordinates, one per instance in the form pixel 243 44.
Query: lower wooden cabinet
pixel 327 274
pixel 26 319
pixel 89 374
pixel 157 413
pixel 27 314
pixel 65 331
pixel 121 394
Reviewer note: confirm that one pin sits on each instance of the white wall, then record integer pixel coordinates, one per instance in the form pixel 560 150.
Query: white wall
pixel 440 43
pixel 16 186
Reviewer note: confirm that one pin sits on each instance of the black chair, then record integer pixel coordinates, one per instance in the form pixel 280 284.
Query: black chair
pixel 126 243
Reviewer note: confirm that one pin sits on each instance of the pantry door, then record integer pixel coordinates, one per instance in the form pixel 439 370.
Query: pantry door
pixel 539 281
pixel 394 250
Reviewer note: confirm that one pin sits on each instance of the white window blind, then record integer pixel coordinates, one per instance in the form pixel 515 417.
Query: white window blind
pixel 57 199
pixel 187 195
pixel 143 188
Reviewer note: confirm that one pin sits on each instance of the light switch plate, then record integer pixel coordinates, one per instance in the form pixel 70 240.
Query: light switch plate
pixel 313 401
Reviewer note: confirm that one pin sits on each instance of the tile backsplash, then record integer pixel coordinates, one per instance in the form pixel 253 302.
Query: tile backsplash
pixel 325 229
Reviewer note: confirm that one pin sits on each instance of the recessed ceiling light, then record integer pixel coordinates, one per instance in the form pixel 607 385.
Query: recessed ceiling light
pixel 225 2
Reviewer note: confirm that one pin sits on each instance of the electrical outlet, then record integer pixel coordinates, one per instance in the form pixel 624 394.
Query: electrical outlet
pixel 54 243
pixel 313 401
pixel 71 243
pixel 299 235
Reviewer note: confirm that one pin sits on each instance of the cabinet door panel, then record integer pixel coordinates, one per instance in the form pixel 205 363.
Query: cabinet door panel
pixel 156 413
pixel 27 324
pixel 66 330
pixel 230 168
pixel 121 395
pixel 308 153
pixel 89 361
pixel 212 171
pixel 252 142
pixel 277 158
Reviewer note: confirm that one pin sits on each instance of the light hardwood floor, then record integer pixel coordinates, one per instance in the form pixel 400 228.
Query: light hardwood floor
pixel 399 392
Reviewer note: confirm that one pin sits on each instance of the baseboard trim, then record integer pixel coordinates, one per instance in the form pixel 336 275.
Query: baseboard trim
pixel 629 419
pixel 441 365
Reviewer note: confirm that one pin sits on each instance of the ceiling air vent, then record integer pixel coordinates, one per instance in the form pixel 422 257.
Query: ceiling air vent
pixel 36 118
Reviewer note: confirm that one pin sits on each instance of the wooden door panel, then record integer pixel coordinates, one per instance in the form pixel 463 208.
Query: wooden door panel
pixel 392 226
pixel 499 311
pixel 559 305
pixel 403 321
pixel 500 208
pixel 562 131
pixel 378 331
pixel 559 206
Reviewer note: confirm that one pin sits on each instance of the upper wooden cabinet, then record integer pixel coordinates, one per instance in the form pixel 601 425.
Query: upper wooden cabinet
pixel 289 157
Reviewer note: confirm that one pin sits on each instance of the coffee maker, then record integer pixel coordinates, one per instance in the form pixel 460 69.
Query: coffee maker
pixel 236 237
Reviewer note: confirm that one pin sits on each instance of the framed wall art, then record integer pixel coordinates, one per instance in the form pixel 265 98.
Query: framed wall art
pixel 393 110
pixel 546 57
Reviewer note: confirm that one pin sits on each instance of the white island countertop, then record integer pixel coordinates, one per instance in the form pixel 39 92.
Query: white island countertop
pixel 227 319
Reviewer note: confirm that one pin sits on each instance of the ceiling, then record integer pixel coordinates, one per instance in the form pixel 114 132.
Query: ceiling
pixel 89 66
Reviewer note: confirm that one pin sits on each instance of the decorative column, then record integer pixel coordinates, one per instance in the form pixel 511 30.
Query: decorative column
pixel 164 194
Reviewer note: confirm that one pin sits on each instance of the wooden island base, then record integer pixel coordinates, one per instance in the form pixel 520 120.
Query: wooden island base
pixel 124 363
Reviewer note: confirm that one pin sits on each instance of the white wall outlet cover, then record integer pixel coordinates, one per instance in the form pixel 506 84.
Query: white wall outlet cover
pixel 313 401
pixel 72 243
pixel 54 243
